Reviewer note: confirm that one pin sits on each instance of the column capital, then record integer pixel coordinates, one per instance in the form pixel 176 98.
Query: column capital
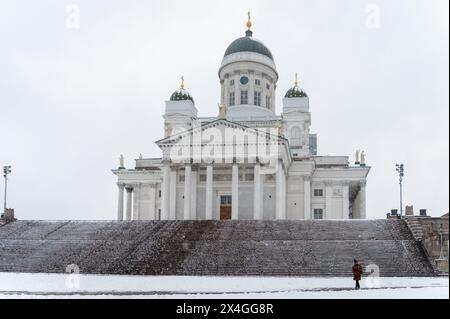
pixel 363 183
pixel 307 178
pixel 121 184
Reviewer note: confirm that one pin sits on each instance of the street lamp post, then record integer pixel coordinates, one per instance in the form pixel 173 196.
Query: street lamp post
pixel 6 171
pixel 400 168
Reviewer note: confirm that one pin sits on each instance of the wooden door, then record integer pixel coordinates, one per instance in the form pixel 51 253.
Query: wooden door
pixel 225 212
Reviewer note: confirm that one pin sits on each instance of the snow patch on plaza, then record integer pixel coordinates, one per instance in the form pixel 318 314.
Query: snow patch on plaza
pixel 23 285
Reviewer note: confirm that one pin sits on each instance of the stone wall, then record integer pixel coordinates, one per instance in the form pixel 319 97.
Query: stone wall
pixel 432 229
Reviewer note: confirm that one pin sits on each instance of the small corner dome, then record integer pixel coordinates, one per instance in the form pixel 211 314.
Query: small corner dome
pixel 248 44
pixel 181 95
pixel 295 92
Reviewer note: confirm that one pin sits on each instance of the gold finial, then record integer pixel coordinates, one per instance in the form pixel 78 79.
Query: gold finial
pixel 249 21
pixel 296 79
pixel 182 83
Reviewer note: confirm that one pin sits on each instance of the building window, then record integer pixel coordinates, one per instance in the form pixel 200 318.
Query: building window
pixel 318 213
pixel 159 194
pixel 159 214
pixel 225 200
pixel 318 193
pixel 232 98
pixel 296 139
pixel 231 82
pixel 258 98
pixel 244 97
pixel 268 101
pixel 257 82
pixel 268 86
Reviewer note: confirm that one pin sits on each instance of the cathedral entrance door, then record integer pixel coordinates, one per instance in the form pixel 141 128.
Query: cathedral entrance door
pixel 225 207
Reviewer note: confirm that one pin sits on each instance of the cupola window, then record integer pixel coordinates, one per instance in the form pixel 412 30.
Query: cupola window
pixel 258 82
pixel 232 99
pixel 268 101
pixel 244 97
pixel 244 80
pixel 257 98
pixel 295 137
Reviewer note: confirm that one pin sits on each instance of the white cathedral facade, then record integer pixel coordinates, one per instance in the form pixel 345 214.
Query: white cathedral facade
pixel 246 163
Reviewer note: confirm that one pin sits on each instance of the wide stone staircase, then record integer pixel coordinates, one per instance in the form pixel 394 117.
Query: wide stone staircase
pixel 216 248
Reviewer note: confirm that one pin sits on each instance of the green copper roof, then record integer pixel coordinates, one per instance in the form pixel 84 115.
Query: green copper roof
pixel 181 95
pixel 248 44
pixel 296 92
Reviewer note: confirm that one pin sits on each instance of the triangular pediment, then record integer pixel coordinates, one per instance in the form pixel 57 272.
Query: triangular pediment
pixel 225 127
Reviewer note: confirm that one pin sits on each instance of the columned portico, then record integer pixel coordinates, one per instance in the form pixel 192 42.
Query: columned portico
pixel 307 197
pixel 257 199
pixel 165 192
pixel 362 200
pixel 173 194
pixel 121 187
pixel 194 178
pixel 345 201
pixel 152 208
pixel 136 201
pixel 209 192
pixel 187 192
pixel 129 202
pixel 281 195
pixel 235 192
pixel 328 198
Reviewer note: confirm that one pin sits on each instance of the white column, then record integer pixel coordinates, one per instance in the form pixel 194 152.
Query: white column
pixel 165 193
pixel 136 201
pixel 209 192
pixel 120 203
pixel 152 202
pixel 187 192
pixel 194 195
pixel 284 187
pixel 345 201
pixel 356 208
pixel 307 197
pixel 129 202
pixel 362 200
pixel 328 201
pixel 280 214
pixel 173 194
pixel 257 192
pixel 235 192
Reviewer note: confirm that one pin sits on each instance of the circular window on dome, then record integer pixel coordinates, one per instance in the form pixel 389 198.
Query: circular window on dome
pixel 244 80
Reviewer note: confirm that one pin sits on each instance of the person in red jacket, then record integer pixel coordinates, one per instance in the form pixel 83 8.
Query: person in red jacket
pixel 357 273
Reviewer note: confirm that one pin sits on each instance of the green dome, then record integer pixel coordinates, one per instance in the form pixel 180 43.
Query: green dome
pixel 181 95
pixel 248 44
pixel 296 92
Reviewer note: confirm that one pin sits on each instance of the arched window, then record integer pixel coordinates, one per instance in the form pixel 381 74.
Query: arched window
pixel 296 137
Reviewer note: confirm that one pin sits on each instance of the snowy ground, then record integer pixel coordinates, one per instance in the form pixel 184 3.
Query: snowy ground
pixel 14 285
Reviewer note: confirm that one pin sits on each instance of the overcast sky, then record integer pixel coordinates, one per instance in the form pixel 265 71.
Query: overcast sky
pixel 73 99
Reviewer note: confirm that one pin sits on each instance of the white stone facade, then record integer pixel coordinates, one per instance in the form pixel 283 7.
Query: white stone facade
pixel 248 163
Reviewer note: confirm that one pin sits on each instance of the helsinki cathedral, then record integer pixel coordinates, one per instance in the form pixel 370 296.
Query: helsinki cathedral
pixel 246 163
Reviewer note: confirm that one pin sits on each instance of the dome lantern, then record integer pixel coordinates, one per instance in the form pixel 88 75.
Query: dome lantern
pixel 182 94
pixel 296 91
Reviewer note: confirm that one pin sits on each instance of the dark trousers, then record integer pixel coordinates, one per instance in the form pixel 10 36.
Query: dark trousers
pixel 357 285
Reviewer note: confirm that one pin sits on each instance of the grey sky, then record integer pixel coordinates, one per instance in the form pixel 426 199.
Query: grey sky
pixel 72 100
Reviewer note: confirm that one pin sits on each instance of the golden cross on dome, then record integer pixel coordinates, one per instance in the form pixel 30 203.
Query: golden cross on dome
pixel 182 83
pixel 296 79
pixel 249 21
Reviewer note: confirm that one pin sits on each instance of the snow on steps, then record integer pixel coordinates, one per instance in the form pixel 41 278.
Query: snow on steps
pixel 216 248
